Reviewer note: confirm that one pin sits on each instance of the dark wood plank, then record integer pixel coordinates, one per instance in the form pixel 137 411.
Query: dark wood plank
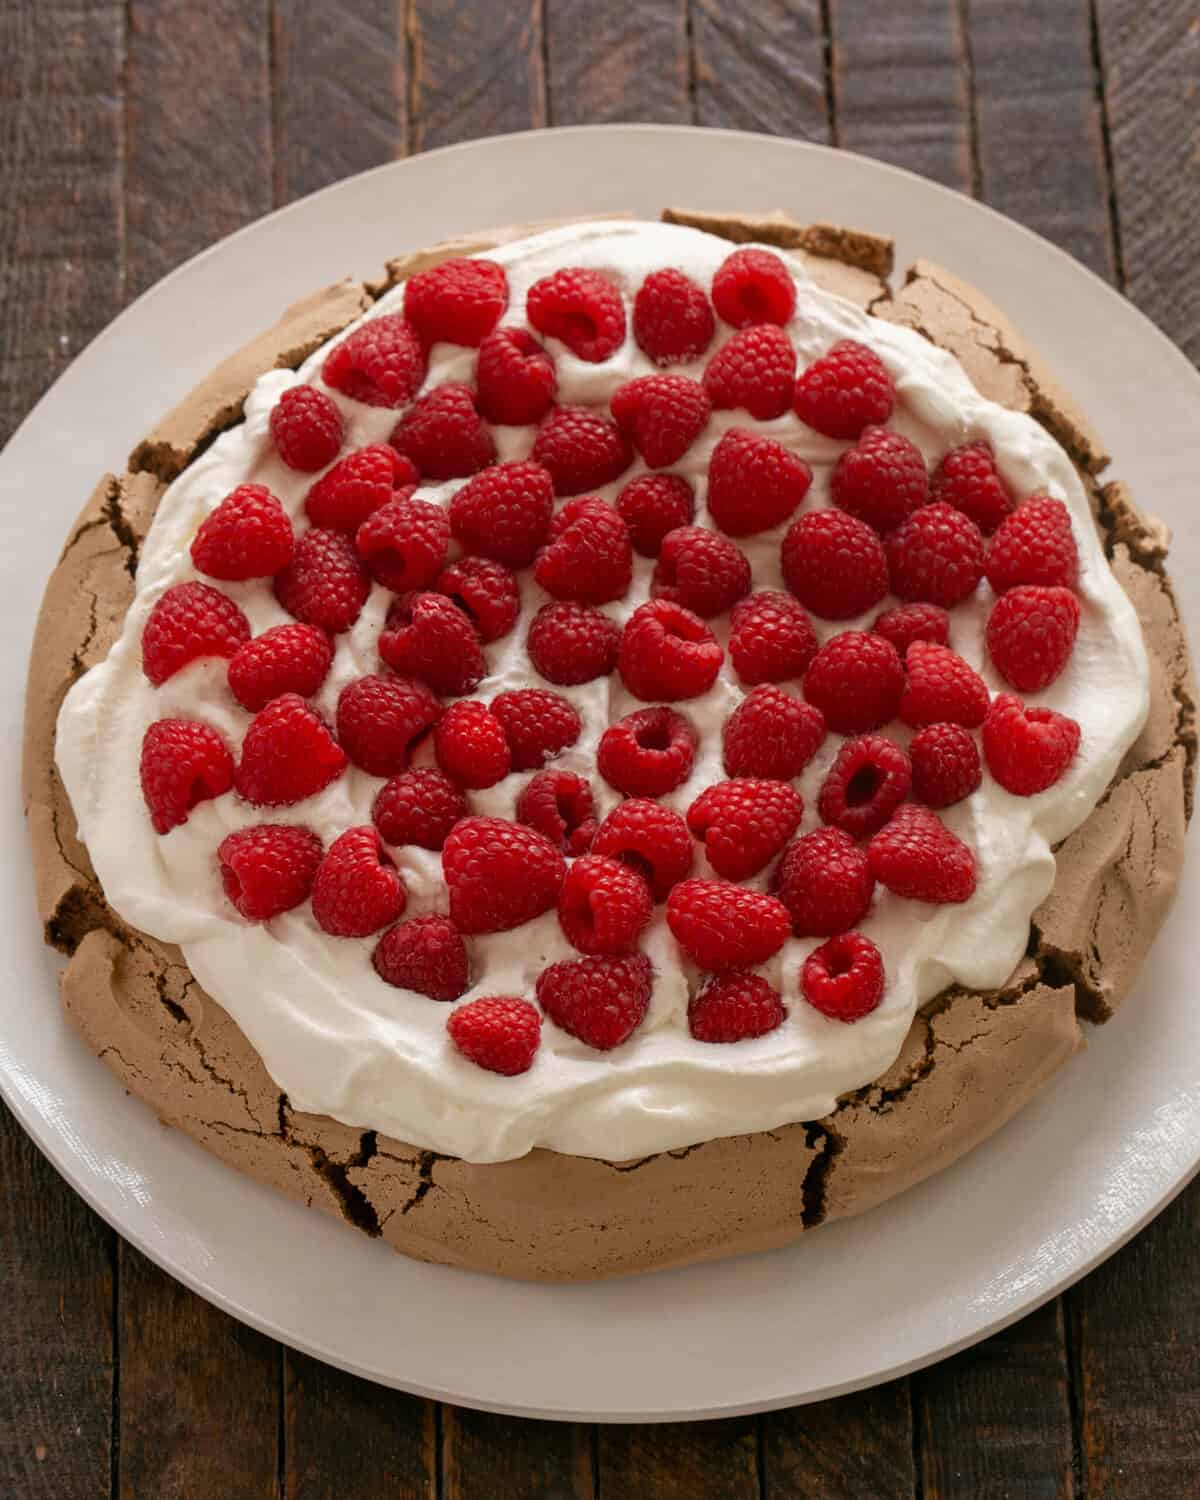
pixel 761 67
pixel 617 61
pixel 485 1456
pixel 690 1461
pixel 476 69
pixel 856 1448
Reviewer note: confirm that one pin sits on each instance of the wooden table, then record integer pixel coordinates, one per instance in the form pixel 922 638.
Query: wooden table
pixel 135 132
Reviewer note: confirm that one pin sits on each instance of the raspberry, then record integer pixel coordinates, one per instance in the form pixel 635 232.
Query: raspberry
pixel 668 653
pixel 284 659
pixel 268 869
pixel 359 485
pixel 724 926
pixel 418 807
pixel 381 363
pixel 945 765
pixel 855 680
pixel 662 415
pixel 647 753
pixel 843 978
pixel 601 1001
pixel 603 906
pixel 907 623
pixel 471 745
pixel 288 754
pixel 917 856
pixel 881 480
pixel 306 428
pixel 559 805
pixel 1031 634
pixel 834 564
pixel 771 735
pixel 936 556
pixel 753 371
pixel 188 621
pixel 581 308
pixel 504 513
pixel 538 725
pixel 486 592
pixel 941 687
pixel 247 536
pixel 651 839
pixel 589 557
pixel 570 644
pixel 702 571
pixel 771 638
pixel 444 435
pixel 653 504
pixel 381 719
pixel 458 302
pixel 581 449
pixel 731 1007
pixel 428 637
pixel 754 483
pixel 967 479
pixel 404 544
pixel 498 1032
pixel 1027 749
pixel 183 762
pixel 427 955
pixel 845 391
pixel 499 874
pixel 1034 545
pixel 673 322
pixel 869 779
pixel 744 824
pixel 515 381
pixel 325 584
pixel 824 879
pixel 753 286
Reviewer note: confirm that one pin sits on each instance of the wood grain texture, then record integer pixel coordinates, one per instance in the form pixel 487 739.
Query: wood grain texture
pixel 617 61
pixel 856 1448
pixel 680 1461
pixel 761 67
pixel 476 69
pixel 485 1456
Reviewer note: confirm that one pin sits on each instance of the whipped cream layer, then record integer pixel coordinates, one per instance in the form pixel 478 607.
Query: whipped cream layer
pixel 337 1039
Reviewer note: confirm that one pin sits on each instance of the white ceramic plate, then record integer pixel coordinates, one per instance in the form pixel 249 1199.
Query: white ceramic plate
pixel 1075 1175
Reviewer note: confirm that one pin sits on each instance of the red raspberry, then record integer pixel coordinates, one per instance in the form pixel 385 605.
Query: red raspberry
pixel 753 371
pixel 1034 545
pixel 651 839
pixel 284 659
pixel 673 322
pixel 504 513
pixel 381 363
pixel 834 564
pixel 268 869
pixel 647 753
pixel 941 687
pixel 1027 749
pixel 499 874
pixel 381 719
pixel 188 621
pixel 771 735
pixel 855 680
pixel 917 856
pixel 945 765
pixel 498 1032
pixel 936 556
pixel 570 644
pixel 428 637
pixel 744 824
pixel 771 638
pixel 668 653
pixel 1031 634
pixel 426 955
pixel 458 302
pixel 824 879
pixel 588 558
pixel 582 449
pixel 538 725
pixel 702 571
pixel 967 479
pixel 404 544
pixel 288 754
pixel 306 428
pixel 601 1001
pixel 653 504
pixel 753 286
pixel 444 435
pixel 559 805
pixel 183 762
pixel 731 1007
pixel 754 483
pixel 662 415
pixel 471 745
pixel 486 592
pixel 247 536
pixel 603 906
pixel 418 807
pixel 724 926
pixel 907 623
pixel 843 978
pixel 325 584
pixel 881 480
pixel 845 391
pixel 869 779
pixel 360 484
pixel 581 308
pixel 514 378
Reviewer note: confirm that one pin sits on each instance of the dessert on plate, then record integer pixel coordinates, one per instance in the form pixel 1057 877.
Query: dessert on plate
pixel 610 747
